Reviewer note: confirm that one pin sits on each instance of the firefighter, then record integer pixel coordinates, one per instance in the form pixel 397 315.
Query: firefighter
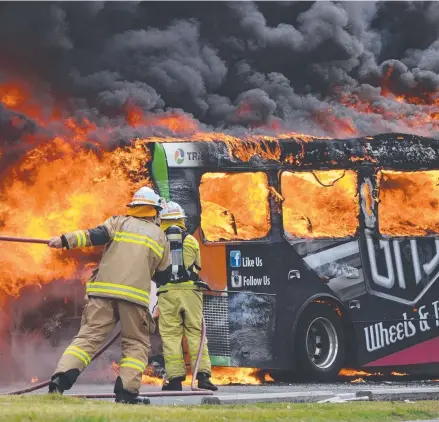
pixel 118 290
pixel 180 303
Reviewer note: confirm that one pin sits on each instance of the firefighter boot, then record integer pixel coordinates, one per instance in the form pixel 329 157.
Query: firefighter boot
pixel 63 381
pixel 173 384
pixel 127 397
pixel 204 382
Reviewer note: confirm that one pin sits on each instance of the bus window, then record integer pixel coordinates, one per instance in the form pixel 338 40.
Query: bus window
pixel 408 202
pixel 234 206
pixel 320 204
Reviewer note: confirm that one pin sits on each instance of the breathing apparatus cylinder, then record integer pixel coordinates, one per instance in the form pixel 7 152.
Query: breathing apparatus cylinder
pixel 175 237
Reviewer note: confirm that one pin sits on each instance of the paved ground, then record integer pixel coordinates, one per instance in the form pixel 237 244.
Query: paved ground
pixel 302 392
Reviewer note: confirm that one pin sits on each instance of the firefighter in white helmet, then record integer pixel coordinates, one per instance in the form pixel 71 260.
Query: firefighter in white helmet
pixel 180 303
pixel 118 290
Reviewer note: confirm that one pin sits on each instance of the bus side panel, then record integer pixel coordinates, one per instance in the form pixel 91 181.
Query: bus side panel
pixel 261 325
pixel 401 282
pixel 333 269
pixel 389 323
pixel 258 330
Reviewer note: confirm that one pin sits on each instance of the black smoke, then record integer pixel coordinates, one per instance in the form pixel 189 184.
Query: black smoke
pixel 308 66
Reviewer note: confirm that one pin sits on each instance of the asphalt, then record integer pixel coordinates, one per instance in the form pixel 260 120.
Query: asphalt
pixel 270 393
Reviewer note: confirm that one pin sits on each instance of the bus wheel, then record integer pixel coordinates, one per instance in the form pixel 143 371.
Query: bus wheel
pixel 320 343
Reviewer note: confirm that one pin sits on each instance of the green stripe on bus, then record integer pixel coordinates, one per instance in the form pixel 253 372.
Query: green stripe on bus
pixel 220 361
pixel 160 171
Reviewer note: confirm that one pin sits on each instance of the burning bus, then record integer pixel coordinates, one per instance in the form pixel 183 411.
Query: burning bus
pixel 325 251
pixel 337 238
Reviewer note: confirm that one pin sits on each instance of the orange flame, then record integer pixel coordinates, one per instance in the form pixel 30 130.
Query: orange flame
pixel 347 372
pixel 229 214
pixel 34 380
pixel 57 188
pixel 62 186
pixel 312 199
pixel 11 96
pixel 177 123
pixel 220 376
pixel 413 113
pixel 402 195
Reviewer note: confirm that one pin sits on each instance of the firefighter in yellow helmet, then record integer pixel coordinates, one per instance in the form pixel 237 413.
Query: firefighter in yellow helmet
pixel 180 304
pixel 118 290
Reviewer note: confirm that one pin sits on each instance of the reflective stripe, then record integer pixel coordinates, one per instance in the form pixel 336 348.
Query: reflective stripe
pixel 118 290
pixel 139 240
pixel 84 238
pixel 82 351
pixel 174 361
pixel 132 363
pixel 79 353
pixel 172 214
pixel 145 201
pixel 204 355
pixel 186 285
pixel 141 237
pixel 121 286
pixel 81 238
pixel 71 352
pixel 78 239
pixel 173 357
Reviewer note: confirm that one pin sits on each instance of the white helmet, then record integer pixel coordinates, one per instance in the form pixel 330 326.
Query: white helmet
pixel 172 211
pixel 146 196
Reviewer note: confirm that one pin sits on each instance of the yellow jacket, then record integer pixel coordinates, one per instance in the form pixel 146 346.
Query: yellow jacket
pixel 135 249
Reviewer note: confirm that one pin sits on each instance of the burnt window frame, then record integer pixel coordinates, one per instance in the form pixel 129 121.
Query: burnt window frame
pixel 376 199
pixel 320 239
pixel 262 240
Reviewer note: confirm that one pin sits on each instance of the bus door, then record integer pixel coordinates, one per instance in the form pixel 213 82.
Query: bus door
pixel 236 216
pixel 229 213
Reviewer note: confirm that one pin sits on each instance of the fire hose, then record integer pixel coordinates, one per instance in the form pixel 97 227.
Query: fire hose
pixel 195 391
pixel 46 383
pixel 23 240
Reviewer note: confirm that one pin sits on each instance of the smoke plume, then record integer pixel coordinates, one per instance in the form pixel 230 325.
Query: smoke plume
pixel 323 68
pixel 100 74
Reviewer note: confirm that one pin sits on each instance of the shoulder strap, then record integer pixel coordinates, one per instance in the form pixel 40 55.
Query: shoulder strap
pixel 184 235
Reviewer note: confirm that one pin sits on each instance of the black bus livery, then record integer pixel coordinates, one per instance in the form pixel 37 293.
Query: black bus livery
pixel 338 238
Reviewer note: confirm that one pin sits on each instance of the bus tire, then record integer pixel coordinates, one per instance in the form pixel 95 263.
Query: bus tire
pixel 319 343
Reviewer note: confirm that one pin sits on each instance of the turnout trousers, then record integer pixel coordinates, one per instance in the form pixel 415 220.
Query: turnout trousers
pixel 180 314
pixel 98 319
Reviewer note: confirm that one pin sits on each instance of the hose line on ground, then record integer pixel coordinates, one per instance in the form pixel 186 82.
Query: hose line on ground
pixel 195 391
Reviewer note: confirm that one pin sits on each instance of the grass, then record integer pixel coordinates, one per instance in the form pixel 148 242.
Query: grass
pixel 57 408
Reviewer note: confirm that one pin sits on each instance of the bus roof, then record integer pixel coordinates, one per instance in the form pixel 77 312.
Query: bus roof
pixel 396 151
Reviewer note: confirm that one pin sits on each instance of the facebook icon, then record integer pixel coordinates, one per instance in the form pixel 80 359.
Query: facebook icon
pixel 235 259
